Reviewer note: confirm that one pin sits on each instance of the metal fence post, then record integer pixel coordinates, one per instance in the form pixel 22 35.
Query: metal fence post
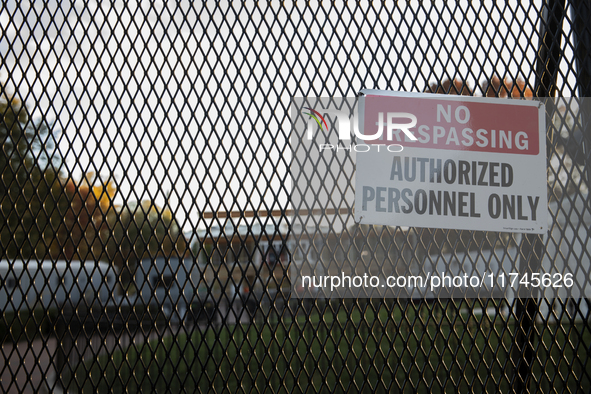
pixel 526 311
pixel 581 15
pixel 547 63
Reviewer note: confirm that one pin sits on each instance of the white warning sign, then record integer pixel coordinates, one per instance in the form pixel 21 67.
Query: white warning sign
pixel 467 162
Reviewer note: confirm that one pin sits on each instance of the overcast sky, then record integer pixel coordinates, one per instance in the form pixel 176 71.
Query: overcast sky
pixel 174 95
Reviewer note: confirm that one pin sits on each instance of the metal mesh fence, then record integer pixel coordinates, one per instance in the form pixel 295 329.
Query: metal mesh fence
pixel 146 211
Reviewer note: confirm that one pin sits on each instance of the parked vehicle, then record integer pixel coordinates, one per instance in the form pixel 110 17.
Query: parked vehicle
pixel 170 283
pixel 28 285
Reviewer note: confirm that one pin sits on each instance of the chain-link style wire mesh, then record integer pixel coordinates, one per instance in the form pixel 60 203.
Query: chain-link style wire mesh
pixel 145 198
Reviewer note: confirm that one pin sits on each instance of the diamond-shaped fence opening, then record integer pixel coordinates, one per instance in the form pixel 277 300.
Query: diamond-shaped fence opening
pixel 152 221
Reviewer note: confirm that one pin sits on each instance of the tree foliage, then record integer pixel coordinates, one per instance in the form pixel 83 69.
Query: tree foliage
pixel 48 215
pixel 493 87
pixel 29 184
pixel 95 228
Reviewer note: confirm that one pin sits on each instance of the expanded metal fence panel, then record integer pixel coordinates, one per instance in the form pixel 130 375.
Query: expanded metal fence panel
pixel 146 214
